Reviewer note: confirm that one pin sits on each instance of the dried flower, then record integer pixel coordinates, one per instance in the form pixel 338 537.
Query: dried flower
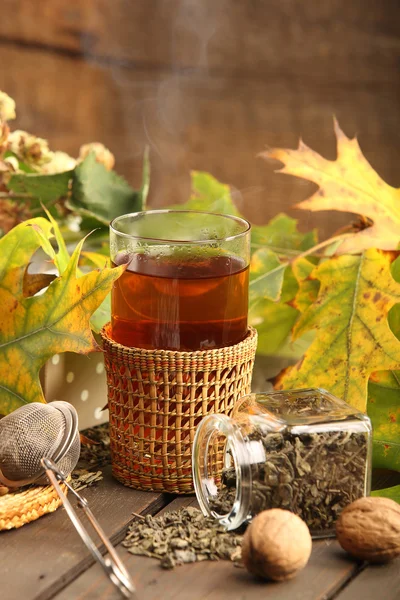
pixel 7 107
pixel 12 163
pixel 59 163
pixel 103 155
pixel 5 174
pixel 12 213
pixel 33 150
pixel 4 133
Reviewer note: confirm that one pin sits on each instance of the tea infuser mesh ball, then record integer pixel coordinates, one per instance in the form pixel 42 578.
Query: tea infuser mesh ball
pixel 40 443
pixel 32 432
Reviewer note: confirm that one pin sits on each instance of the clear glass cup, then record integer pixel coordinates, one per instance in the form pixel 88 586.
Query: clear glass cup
pixel 301 450
pixel 186 283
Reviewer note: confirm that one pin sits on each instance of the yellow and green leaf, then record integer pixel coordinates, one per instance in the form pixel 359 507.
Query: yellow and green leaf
pixel 282 236
pixel 393 493
pixel 35 328
pixel 347 184
pixel 384 411
pixel 352 334
pixel 307 285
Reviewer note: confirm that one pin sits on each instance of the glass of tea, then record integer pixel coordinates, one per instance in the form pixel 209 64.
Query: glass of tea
pixel 185 286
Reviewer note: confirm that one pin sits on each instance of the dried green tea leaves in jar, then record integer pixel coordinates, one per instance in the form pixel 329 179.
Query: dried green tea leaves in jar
pixel 313 475
pixel 301 450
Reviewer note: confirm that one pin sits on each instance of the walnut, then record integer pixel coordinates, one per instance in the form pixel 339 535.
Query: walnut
pixel 276 545
pixel 369 529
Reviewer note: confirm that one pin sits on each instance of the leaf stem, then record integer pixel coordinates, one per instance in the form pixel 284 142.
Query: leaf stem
pixel 13 196
pixel 312 250
pixel 321 245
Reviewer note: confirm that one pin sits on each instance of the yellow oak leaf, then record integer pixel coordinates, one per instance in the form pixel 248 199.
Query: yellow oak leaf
pixel 352 334
pixel 32 329
pixel 347 184
pixel 308 286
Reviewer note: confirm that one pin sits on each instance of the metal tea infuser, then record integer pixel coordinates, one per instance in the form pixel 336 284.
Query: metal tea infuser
pixel 41 443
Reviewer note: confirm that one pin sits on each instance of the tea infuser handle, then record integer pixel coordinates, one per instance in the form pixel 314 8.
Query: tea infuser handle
pixel 112 565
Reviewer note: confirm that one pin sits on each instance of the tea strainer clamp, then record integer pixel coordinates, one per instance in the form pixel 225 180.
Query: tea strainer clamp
pixel 112 565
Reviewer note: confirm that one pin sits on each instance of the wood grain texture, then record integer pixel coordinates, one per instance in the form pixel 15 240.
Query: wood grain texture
pixel 340 40
pixel 207 85
pixel 194 122
pixel 41 558
pixel 326 572
pixel 376 581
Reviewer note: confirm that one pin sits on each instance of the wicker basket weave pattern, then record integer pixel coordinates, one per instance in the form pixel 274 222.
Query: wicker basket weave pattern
pixel 156 399
pixel 17 508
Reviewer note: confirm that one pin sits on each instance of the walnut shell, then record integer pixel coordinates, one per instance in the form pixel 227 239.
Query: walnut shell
pixel 276 545
pixel 369 529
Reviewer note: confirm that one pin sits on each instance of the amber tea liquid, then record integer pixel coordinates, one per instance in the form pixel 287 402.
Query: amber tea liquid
pixel 174 304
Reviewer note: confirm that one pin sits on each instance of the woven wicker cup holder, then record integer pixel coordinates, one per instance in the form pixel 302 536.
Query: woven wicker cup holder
pixel 156 400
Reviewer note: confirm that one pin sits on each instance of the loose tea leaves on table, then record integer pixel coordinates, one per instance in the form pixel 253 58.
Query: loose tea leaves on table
pixel 182 536
pixel 98 453
pixel 314 475
pixel 81 479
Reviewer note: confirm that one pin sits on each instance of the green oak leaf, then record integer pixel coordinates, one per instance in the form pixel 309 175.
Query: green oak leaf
pixel 282 236
pixel 42 189
pixel 393 493
pixel 100 194
pixel 208 194
pixel 274 322
pixel 383 408
pixel 266 276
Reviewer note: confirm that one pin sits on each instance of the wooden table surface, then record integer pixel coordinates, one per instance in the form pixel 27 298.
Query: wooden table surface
pixel 46 559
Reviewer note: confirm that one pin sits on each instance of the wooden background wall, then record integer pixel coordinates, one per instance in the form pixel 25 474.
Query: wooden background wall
pixel 207 84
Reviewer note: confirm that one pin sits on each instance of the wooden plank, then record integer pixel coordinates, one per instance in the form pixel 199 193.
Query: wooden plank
pixel 376 581
pixel 327 571
pixel 42 557
pixel 190 121
pixel 332 40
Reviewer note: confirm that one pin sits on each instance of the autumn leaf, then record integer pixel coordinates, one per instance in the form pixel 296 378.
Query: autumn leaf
pixel 384 411
pixel 353 338
pixel 308 286
pixel 61 258
pixel 281 235
pixel 33 329
pixel 347 184
pixel 393 493
pixel 34 282
pixel 273 245
pixel 209 194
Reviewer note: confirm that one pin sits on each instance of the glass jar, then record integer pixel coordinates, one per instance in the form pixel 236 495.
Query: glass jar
pixel 302 450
